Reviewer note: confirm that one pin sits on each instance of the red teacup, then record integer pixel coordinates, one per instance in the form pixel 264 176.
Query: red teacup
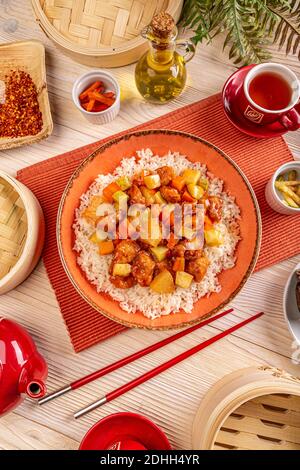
pixel 261 101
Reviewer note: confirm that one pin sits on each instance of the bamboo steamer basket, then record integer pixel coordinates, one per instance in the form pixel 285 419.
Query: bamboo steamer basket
pixel 28 56
pixel 256 408
pixel 101 33
pixel 22 232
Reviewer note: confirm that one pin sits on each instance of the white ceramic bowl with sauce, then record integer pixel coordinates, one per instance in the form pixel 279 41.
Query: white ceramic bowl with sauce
pixel 110 83
pixel 31 248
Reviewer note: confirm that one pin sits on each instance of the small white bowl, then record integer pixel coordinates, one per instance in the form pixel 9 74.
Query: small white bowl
pixel 35 235
pixel 290 307
pixel 274 197
pixel 110 83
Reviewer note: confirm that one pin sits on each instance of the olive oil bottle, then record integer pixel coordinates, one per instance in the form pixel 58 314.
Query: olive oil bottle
pixel 160 74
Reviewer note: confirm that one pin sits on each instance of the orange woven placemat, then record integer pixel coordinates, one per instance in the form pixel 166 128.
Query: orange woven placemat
pixel 257 158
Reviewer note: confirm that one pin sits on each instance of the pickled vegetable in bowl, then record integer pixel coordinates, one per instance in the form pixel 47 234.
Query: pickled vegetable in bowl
pixel 287 186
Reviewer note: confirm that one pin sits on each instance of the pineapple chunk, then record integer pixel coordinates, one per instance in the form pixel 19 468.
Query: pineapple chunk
pixel 94 238
pixel 159 252
pixel 195 191
pixel 124 183
pixel 120 195
pixel 191 176
pixel 204 183
pixel 90 212
pixel 188 232
pixel 105 208
pixel 122 269
pixel 159 199
pixel 98 236
pixel 163 283
pixel 213 237
pixel 149 195
pixel 152 181
pixel 183 279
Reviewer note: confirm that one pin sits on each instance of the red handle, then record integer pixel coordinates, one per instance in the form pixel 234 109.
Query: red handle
pixel 133 357
pixel 161 368
pixel 291 119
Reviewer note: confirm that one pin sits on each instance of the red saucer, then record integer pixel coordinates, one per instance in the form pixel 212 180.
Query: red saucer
pixel 125 431
pixel 231 88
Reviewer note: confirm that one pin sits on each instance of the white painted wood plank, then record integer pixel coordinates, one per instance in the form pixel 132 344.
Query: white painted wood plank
pixel 171 399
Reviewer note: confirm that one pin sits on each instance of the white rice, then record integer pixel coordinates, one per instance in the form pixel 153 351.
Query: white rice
pixel 151 304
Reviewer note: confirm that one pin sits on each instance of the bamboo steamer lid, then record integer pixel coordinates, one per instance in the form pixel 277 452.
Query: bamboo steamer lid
pixel 103 33
pixel 22 232
pixel 256 408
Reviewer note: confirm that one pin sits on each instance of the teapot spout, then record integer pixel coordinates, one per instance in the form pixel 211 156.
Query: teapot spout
pixel 36 389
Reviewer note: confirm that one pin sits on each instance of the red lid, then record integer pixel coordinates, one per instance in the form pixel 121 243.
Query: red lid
pixel 125 431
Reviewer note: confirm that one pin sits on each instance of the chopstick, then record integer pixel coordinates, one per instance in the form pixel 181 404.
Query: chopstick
pixel 161 368
pixel 127 360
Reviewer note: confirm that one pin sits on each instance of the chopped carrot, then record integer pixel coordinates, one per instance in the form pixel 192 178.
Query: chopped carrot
pixel 187 197
pixel 85 105
pixel 178 183
pixel 90 105
pixel 208 224
pixel 110 190
pixel 106 247
pixel 99 107
pixel 100 89
pixel 109 94
pixel 172 219
pixel 178 264
pixel 85 100
pixel 172 242
pixel 101 98
pixel 91 88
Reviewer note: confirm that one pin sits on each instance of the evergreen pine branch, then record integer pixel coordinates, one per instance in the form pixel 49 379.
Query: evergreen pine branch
pixel 251 25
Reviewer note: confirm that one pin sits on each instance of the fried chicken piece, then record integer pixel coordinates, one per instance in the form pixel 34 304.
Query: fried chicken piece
pixel 143 268
pixel 198 268
pixel 170 194
pixel 179 250
pixel 135 195
pixel 166 174
pixel 215 208
pixel 192 254
pixel 123 282
pixel 126 251
pixel 165 265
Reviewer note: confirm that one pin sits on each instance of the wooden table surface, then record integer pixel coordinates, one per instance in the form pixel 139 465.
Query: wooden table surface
pixel 171 399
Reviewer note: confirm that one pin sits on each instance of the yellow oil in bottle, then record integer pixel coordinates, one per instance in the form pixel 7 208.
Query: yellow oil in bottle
pixel 160 76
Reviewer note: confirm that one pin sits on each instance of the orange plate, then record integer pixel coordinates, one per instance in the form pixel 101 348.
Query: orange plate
pixel 105 160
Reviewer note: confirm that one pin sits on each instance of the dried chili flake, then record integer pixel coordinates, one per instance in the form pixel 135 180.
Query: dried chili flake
pixel 20 113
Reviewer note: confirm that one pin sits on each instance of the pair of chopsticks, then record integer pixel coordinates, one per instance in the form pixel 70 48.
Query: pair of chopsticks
pixel 150 374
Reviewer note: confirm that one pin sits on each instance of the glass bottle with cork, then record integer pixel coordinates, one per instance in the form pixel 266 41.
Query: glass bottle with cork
pixel 160 74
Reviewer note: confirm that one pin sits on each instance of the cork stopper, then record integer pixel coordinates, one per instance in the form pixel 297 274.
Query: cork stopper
pixel 162 25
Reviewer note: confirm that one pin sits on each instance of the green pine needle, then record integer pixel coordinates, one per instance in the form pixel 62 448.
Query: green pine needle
pixel 251 25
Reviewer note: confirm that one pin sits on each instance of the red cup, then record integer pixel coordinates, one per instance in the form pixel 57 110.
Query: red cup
pixel 289 116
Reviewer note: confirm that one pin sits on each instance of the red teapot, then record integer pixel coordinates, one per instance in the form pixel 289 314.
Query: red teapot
pixel 22 369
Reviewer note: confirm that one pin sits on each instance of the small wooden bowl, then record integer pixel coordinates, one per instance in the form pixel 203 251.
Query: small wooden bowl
pixel 28 56
pixel 99 34
pixel 21 242
pixel 257 408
